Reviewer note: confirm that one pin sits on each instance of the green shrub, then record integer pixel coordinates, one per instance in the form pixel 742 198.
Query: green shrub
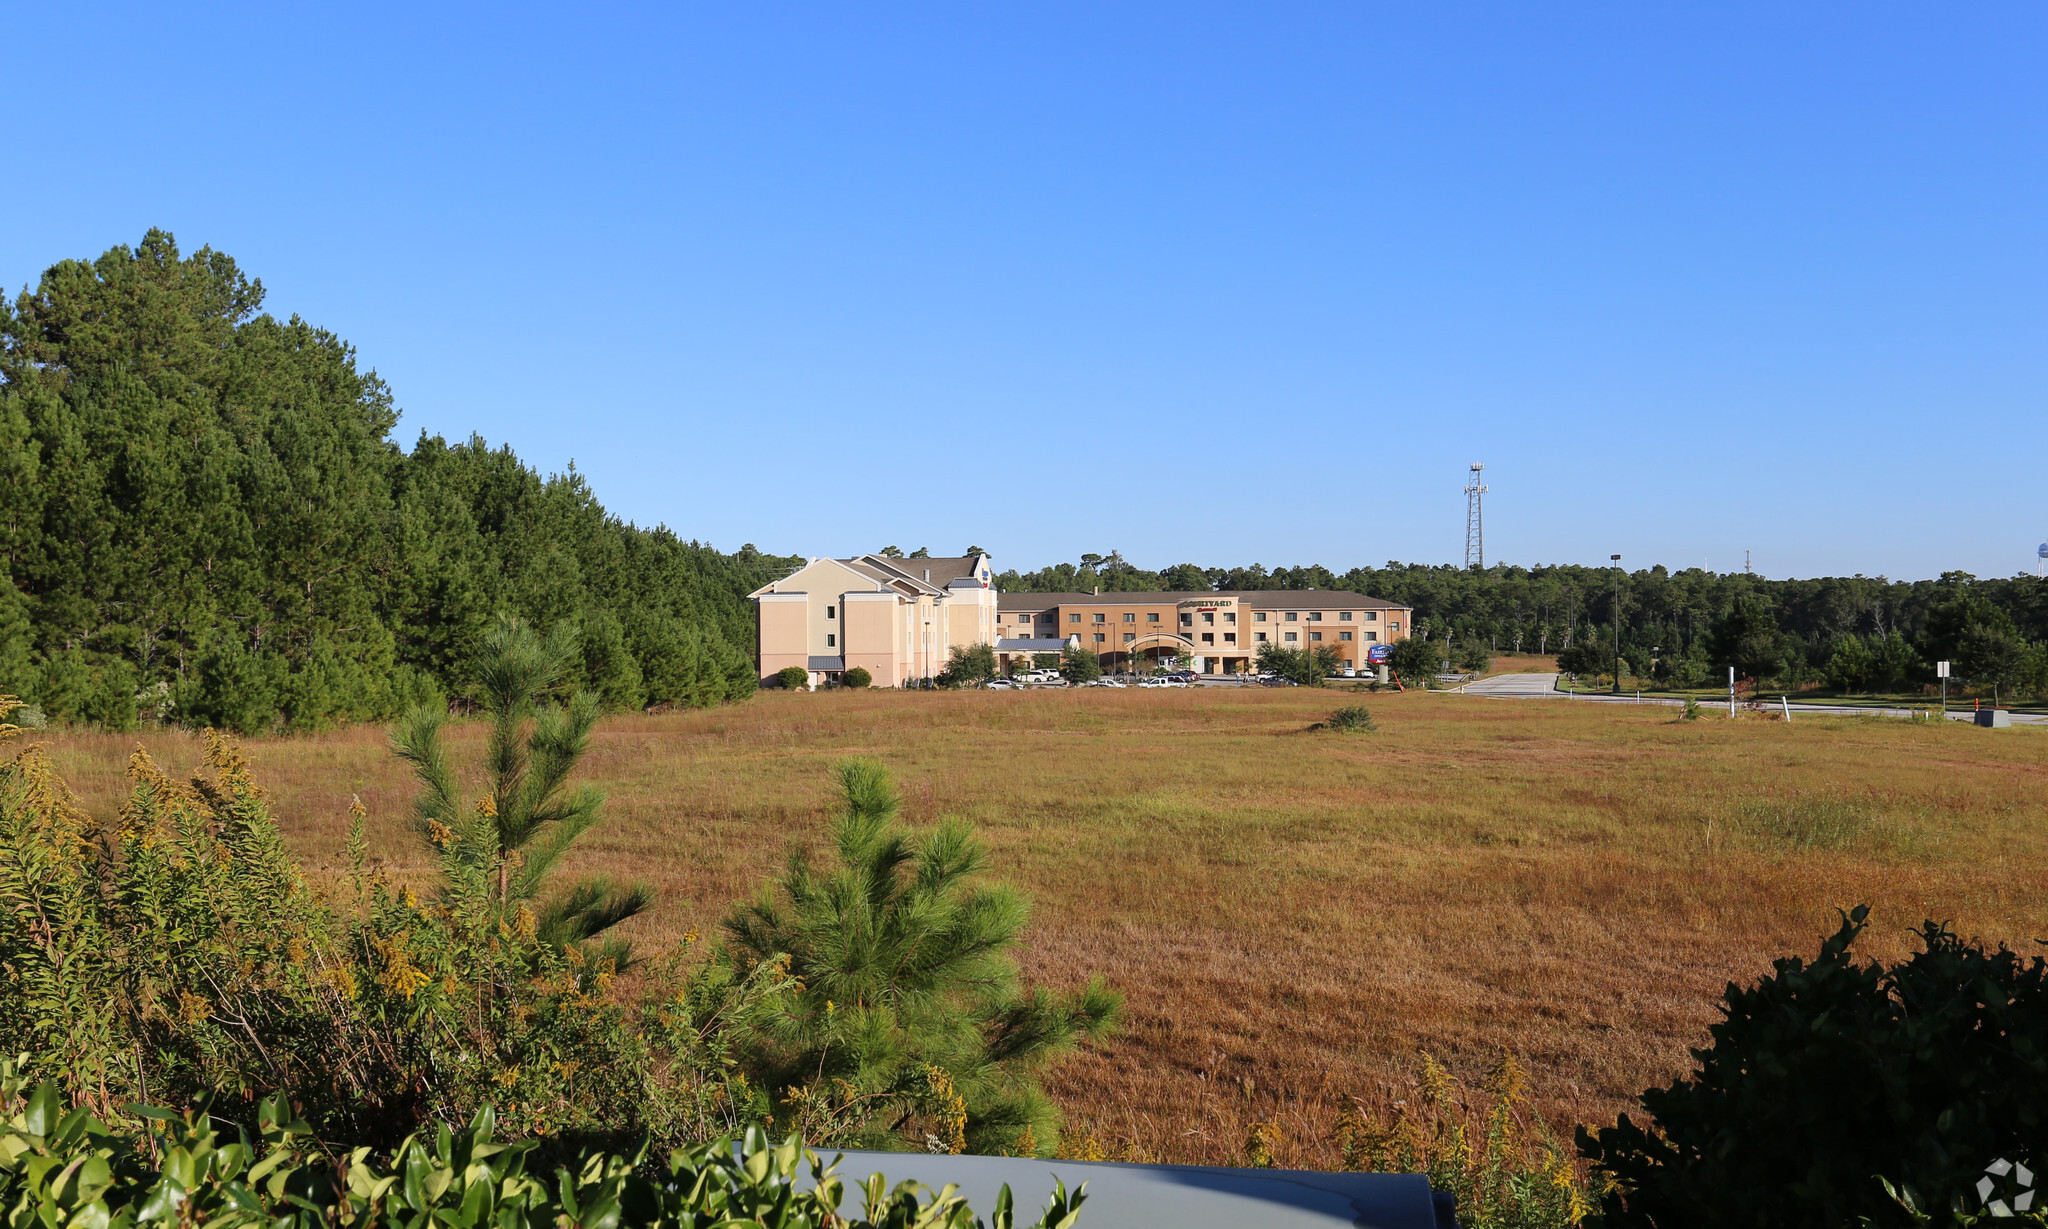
pixel 59 1169
pixel 1691 711
pixel 909 1022
pixel 178 955
pixel 1826 1080
pixel 1351 719
pixel 793 678
pixel 857 677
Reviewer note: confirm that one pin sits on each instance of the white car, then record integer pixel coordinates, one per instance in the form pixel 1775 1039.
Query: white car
pixel 1004 685
pixel 1163 682
pixel 1103 683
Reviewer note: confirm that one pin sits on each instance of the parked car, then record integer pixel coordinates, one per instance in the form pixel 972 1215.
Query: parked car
pixel 1005 685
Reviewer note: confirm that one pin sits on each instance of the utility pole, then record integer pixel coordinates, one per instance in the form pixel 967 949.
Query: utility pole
pixel 1475 535
pixel 1617 623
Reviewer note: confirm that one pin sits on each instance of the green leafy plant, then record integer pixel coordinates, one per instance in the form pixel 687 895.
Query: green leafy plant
pixel 74 1170
pixel 1825 1077
pixel 793 678
pixel 909 1023
pixel 857 677
pixel 1691 711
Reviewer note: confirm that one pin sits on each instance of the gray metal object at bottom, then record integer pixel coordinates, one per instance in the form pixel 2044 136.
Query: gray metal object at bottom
pixel 1167 1196
pixel 1994 718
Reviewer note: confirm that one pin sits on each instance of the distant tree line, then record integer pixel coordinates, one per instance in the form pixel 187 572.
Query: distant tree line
pixel 1855 633
pixel 206 521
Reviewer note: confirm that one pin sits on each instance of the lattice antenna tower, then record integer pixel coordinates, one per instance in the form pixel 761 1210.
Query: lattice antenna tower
pixel 1475 531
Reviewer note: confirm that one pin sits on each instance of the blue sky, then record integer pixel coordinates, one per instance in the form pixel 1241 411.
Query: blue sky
pixel 1222 284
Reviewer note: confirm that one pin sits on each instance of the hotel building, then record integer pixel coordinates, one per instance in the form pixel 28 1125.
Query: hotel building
pixel 1221 632
pixel 899 619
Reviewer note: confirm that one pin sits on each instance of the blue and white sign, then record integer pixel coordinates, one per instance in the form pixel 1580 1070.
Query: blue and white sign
pixel 1379 653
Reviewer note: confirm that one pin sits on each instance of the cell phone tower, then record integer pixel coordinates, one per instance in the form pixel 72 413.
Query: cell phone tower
pixel 1475 530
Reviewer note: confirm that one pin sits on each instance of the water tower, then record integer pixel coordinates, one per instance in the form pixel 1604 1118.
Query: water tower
pixel 2040 557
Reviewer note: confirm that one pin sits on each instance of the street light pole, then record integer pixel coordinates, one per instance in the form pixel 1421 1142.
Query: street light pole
pixel 1617 625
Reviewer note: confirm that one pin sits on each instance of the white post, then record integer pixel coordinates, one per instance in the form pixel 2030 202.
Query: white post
pixel 1788 709
pixel 1731 691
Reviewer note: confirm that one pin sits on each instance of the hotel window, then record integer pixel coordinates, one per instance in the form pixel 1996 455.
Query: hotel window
pixel 1130 618
pixel 1343 635
pixel 1315 616
pixel 1393 625
pixel 1130 636
pixel 1292 636
pixel 831 612
pixel 1187 620
pixel 1209 618
pixel 1259 636
pixel 831 641
pixel 1343 616
pixel 1372 616
pixel 1230 637
pixel 1099 637
pixel 1229 618
pixel 1073 618
pixel 1153 617
pixel 1098 617
pixel 1315 635
pixel 1260 617
pixel 1291 616
pixel 1208 637
pixel 1372 637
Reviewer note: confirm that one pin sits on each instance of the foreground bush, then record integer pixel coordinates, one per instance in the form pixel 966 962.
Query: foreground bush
pixel 1501 1162
pixel 178 956
pixel 59 1169
pixel 1827 1080
pixel 908 1018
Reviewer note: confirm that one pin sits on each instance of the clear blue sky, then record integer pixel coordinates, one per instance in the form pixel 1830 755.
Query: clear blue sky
pixel 1221 284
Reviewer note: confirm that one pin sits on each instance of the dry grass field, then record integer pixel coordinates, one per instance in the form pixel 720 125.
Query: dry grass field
pixel 1293 916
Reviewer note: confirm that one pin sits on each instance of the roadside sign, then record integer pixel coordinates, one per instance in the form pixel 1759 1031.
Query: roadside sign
pixel 1941 669
pixel 1379 653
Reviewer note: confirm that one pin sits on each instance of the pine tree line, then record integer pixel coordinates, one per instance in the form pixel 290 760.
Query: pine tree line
pixel 207 521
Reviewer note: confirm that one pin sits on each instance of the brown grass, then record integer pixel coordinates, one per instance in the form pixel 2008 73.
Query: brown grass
pixel 1295 916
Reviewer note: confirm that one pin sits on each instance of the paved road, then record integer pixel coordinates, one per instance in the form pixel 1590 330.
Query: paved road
pixel 1521 686
pixel 1544 686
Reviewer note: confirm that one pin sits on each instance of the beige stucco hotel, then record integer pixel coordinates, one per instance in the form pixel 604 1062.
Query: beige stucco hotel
pixel 899 619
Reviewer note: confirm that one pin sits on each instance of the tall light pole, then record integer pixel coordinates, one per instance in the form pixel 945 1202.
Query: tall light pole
pixel 1617 624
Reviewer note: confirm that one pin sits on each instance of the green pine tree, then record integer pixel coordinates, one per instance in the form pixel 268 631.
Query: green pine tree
pixel 911 1017
pixel 518 831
